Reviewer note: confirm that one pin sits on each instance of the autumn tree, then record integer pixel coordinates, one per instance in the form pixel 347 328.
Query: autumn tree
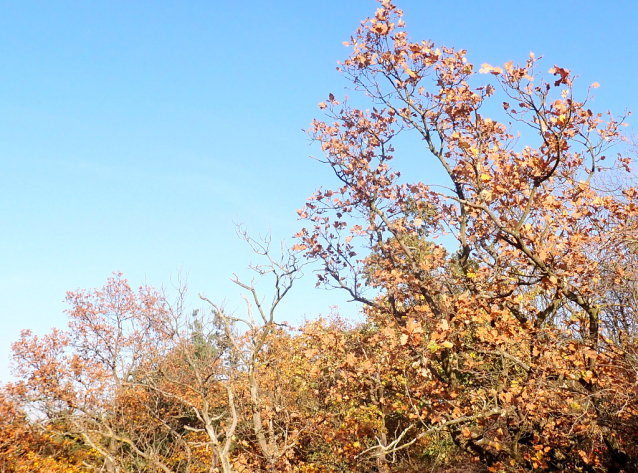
pixel 256 341
pixel 509 353
pixel 78 382
pixel 149 386
pixel 500 306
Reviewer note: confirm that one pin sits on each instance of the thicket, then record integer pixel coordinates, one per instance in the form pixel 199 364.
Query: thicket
pixel 500 307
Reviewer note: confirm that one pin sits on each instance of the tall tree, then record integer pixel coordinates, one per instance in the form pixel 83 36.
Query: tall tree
pixel 510 355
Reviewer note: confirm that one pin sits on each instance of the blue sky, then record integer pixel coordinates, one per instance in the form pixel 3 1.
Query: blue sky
pixel 133 134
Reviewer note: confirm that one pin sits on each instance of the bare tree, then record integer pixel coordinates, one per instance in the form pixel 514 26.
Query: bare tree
pixel 273 437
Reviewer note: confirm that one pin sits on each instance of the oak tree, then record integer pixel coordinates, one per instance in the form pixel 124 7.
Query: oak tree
pixel 493 284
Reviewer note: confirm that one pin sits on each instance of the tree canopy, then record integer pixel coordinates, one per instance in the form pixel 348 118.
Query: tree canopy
pixel 499 307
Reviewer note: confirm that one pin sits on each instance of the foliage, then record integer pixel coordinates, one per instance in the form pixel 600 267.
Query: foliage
pixel 26 449
pixel 506 342
pixel 499 327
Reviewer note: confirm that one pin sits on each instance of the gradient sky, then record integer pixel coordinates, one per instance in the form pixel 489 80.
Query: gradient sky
pixel 133 134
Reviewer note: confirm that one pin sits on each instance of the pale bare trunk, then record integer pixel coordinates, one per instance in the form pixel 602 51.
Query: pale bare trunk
pixel 382 463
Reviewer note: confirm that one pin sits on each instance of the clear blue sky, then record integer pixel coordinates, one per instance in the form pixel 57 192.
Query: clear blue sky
pixel 133 134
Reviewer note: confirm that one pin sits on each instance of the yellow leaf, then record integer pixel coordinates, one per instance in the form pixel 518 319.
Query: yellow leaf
pixel 595 85
pixel 447 344
pixel 485 177
pixel 409 71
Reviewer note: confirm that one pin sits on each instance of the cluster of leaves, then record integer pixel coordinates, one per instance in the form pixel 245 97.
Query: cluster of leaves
pixel 512 346
pixel 27 449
